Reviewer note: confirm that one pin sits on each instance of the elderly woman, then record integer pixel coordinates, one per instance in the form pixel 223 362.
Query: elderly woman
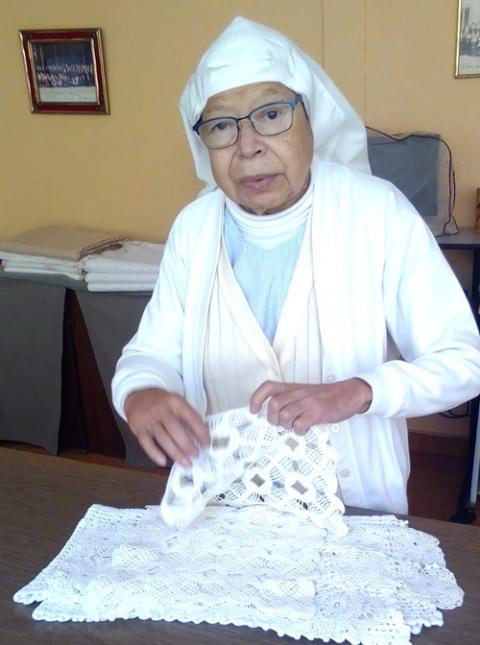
pixel 296 280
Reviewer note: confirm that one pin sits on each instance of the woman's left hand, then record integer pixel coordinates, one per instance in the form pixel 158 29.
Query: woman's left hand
pixel 300 406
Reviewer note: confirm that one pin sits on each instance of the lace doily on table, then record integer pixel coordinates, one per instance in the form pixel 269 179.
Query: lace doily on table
pixel 253 566
pixel 273 551
pixel 251 461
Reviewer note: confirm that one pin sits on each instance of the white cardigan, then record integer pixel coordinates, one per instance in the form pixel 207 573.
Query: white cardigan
pixel 379 274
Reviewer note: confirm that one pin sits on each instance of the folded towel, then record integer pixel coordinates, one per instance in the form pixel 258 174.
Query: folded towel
pixel 120 286
pixel 19 269
pixel 25 267
pixel 127 278
pixel 137 256
pixel 39 261
pixel 67 243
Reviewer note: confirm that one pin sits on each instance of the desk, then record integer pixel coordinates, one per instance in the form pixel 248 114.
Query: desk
pixel 468 240
pixel 41 501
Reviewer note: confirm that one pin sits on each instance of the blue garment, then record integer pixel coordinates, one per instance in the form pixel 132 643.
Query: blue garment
pixel 264 275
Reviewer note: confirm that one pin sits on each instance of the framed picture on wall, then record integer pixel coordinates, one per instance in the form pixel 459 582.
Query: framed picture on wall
pixel 65 70
pixel 467 60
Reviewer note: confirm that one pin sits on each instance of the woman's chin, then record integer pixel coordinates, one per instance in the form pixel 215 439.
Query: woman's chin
pixel 267 205
pixel 261 209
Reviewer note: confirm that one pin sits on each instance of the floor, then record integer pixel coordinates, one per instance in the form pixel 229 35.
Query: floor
pixel 433 489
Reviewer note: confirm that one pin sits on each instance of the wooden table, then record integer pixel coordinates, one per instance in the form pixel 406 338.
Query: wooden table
pixel 41 501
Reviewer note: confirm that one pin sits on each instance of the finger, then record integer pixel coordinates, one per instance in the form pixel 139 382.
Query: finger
pixel 182 437
pixel 192 420
pixel 261 394
pixel 273 411
pixel 171 447
pixel 288 414
pixel 302 424
pixel 152 450
pixel 284 406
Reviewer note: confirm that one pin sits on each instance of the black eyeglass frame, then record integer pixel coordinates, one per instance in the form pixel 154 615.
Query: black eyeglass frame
pixel 291 102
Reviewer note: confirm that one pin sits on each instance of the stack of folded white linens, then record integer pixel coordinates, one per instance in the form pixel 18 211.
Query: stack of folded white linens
pixel 43 265
pixel 54 250
pixel 133 267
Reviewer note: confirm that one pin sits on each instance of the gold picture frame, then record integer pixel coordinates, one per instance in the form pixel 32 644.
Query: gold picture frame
pixel 65 70
pixel 467 58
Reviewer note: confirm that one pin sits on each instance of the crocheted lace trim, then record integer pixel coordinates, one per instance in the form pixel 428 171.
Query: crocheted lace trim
pixel 255 537
pixel 251 461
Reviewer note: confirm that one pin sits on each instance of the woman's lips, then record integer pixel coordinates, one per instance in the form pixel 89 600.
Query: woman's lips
pixel 257 183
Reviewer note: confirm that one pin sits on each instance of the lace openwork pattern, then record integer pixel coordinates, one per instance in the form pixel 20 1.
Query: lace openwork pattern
pixel 252 462
pixel 253 564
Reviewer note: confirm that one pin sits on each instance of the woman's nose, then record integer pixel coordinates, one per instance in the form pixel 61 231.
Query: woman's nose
pixel 249 142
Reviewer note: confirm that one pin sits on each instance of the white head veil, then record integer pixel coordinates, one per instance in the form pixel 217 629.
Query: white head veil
pixel 247 52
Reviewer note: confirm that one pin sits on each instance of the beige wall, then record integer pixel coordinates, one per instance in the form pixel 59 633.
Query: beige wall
pixel 131 170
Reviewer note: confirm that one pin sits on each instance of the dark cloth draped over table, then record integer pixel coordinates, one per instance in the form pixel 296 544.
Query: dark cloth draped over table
pixel 31 341
pixel 31 348
pixel 112 319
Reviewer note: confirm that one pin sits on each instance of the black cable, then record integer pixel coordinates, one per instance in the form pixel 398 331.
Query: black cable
pixel 450 414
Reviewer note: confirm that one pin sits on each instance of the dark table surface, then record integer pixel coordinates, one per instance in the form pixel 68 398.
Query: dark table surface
pixel 466 238
pixel 43 498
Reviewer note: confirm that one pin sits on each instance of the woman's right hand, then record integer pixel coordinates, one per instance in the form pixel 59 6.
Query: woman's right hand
pixel 166 425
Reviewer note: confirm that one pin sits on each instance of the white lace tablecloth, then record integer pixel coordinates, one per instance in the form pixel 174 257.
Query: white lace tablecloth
pixel 363 579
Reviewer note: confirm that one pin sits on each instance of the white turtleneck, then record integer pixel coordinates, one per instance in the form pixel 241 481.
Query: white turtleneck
pixel 263 251
pixel 269 231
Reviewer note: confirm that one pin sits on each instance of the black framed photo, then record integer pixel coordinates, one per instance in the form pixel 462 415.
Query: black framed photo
pixel 65 70
pixel 467 63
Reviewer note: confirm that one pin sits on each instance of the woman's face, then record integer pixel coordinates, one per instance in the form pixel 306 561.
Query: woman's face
pixel 262 174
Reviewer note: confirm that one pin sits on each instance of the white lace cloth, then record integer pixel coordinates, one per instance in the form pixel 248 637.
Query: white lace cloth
pixel 252 462
pixel 253 565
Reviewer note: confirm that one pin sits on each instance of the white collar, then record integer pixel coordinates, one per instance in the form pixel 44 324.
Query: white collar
pixel 269 231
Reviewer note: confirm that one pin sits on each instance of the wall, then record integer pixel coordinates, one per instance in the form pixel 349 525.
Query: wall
pixel 131 171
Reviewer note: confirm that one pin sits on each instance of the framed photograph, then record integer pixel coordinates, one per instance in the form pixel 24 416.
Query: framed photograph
pixel 467 61
pixel 65 70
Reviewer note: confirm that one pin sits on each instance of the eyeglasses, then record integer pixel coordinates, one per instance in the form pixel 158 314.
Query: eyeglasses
pixel 267 120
